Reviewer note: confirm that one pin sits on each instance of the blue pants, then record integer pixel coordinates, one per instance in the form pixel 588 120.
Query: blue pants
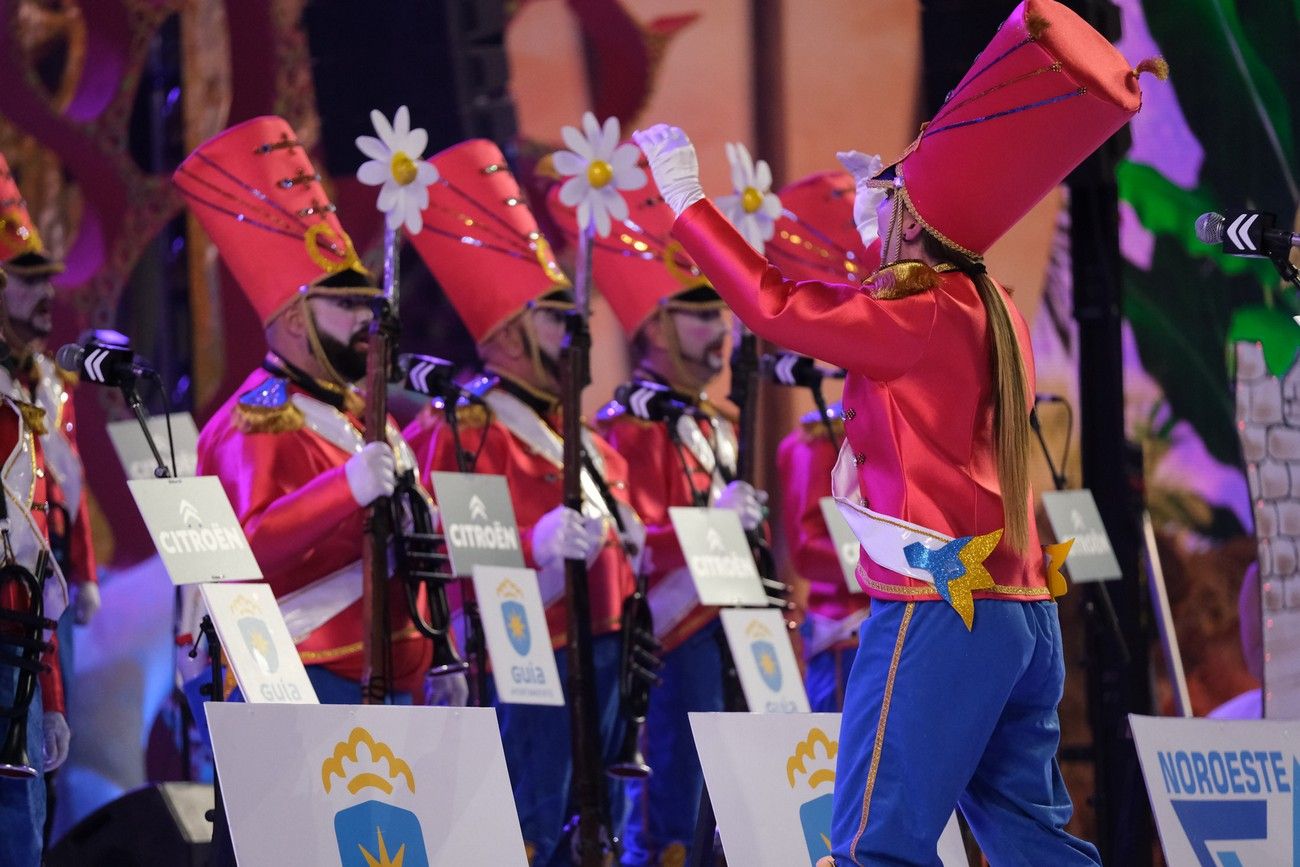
pixel 663 809
pixel 538 754
pixel 828 679
pixel 938 717
pixel 22 802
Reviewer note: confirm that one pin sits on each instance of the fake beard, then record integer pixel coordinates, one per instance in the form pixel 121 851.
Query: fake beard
pixel 348 359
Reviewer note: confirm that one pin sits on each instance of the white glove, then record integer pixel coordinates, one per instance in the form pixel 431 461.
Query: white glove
pixel 744 500
pixel 446 690
pixel 563 534
pixel 86 602
pixel 866 199
pixel 372 473
pixel 57 738
pixel 673 163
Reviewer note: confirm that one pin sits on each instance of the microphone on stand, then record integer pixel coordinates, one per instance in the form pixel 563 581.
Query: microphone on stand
pixel 102 363
pixel 650 401
pixel 790 368
pixel 427 374
pixel 1250 233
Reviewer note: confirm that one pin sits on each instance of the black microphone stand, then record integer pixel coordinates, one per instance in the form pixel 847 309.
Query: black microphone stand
pixel 475 642
pixel 223 852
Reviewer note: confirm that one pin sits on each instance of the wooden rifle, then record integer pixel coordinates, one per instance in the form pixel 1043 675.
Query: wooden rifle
pixel 593 839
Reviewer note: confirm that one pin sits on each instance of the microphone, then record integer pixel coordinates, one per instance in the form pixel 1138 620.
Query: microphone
pixel 427 374
pixel 790 368
pixel 102 363
pixel 650 401
pixel 1250 233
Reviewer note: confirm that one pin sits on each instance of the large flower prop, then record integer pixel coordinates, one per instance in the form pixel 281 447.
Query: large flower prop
pixel 597 167
pixel 753 208
pixel 396 167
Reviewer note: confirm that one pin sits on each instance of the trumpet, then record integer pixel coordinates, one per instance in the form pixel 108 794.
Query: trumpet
pixel 422 562
pixel 22 641
pixel 639 673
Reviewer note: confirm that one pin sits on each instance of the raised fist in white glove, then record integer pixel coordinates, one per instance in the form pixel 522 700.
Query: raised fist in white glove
pixel 744 500
pixel 372 473
pixel 673 163
pixel 57 738
pixel 866 199
pixel 86 602
pixel 563 534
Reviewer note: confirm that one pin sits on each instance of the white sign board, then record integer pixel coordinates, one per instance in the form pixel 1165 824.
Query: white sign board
pixel 718 556
pixel 478 521
pixel 847 546
pixel 195 529
pixel 771 780
pixel 257 645
pixel 361 785
pixel 133 449
pixel 1074 515
pixel 518 640
pixel 1223 792
pixel 760 646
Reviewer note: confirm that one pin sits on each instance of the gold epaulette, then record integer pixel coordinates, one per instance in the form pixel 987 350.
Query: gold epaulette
pixel 267 409
pixel 902 280
pixel 33 417
pixel 67 377
pixel 615 412
pixel 472 415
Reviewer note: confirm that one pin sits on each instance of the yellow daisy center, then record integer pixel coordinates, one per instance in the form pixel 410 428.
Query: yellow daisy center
pixel 599 173
pixel 751 200
pixel 403 168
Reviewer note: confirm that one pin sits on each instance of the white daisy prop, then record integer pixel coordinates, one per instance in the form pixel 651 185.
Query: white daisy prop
pixel 396 167
pixel 597 167
pixel 753 208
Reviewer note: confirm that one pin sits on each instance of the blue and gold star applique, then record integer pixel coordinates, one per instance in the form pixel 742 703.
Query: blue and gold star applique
pixel 958 569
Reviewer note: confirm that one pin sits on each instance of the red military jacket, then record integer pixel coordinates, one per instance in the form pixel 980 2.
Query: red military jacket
pixel 46 386
pixel 280 455
pixel 804 460
pixel 25 493
pixel 657 481
pixel 536 486
pixel 918 400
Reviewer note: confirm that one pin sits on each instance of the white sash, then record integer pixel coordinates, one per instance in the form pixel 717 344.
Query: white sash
pixel 522 421
pixel 883 538
pixel 60 459
pixel 25 537
pixel 308 608
pixel 690 435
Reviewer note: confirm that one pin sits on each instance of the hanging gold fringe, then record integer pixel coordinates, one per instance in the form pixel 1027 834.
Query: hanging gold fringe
pixel 250 418
pixel 901 280
pixel 33 417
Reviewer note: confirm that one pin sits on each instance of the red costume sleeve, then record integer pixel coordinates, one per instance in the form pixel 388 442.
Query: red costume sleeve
pixel 837 323
pixel 282 522
pixel 655 482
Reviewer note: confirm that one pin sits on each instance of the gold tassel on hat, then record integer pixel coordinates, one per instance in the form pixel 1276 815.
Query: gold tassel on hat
pixel 1036 25
pixel 1157 66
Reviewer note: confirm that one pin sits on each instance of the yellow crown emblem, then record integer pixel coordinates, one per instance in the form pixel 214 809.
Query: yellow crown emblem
pixel 378 770
pixel 508 589
pixel 756 629
pixel 813 760
pixel 245 605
